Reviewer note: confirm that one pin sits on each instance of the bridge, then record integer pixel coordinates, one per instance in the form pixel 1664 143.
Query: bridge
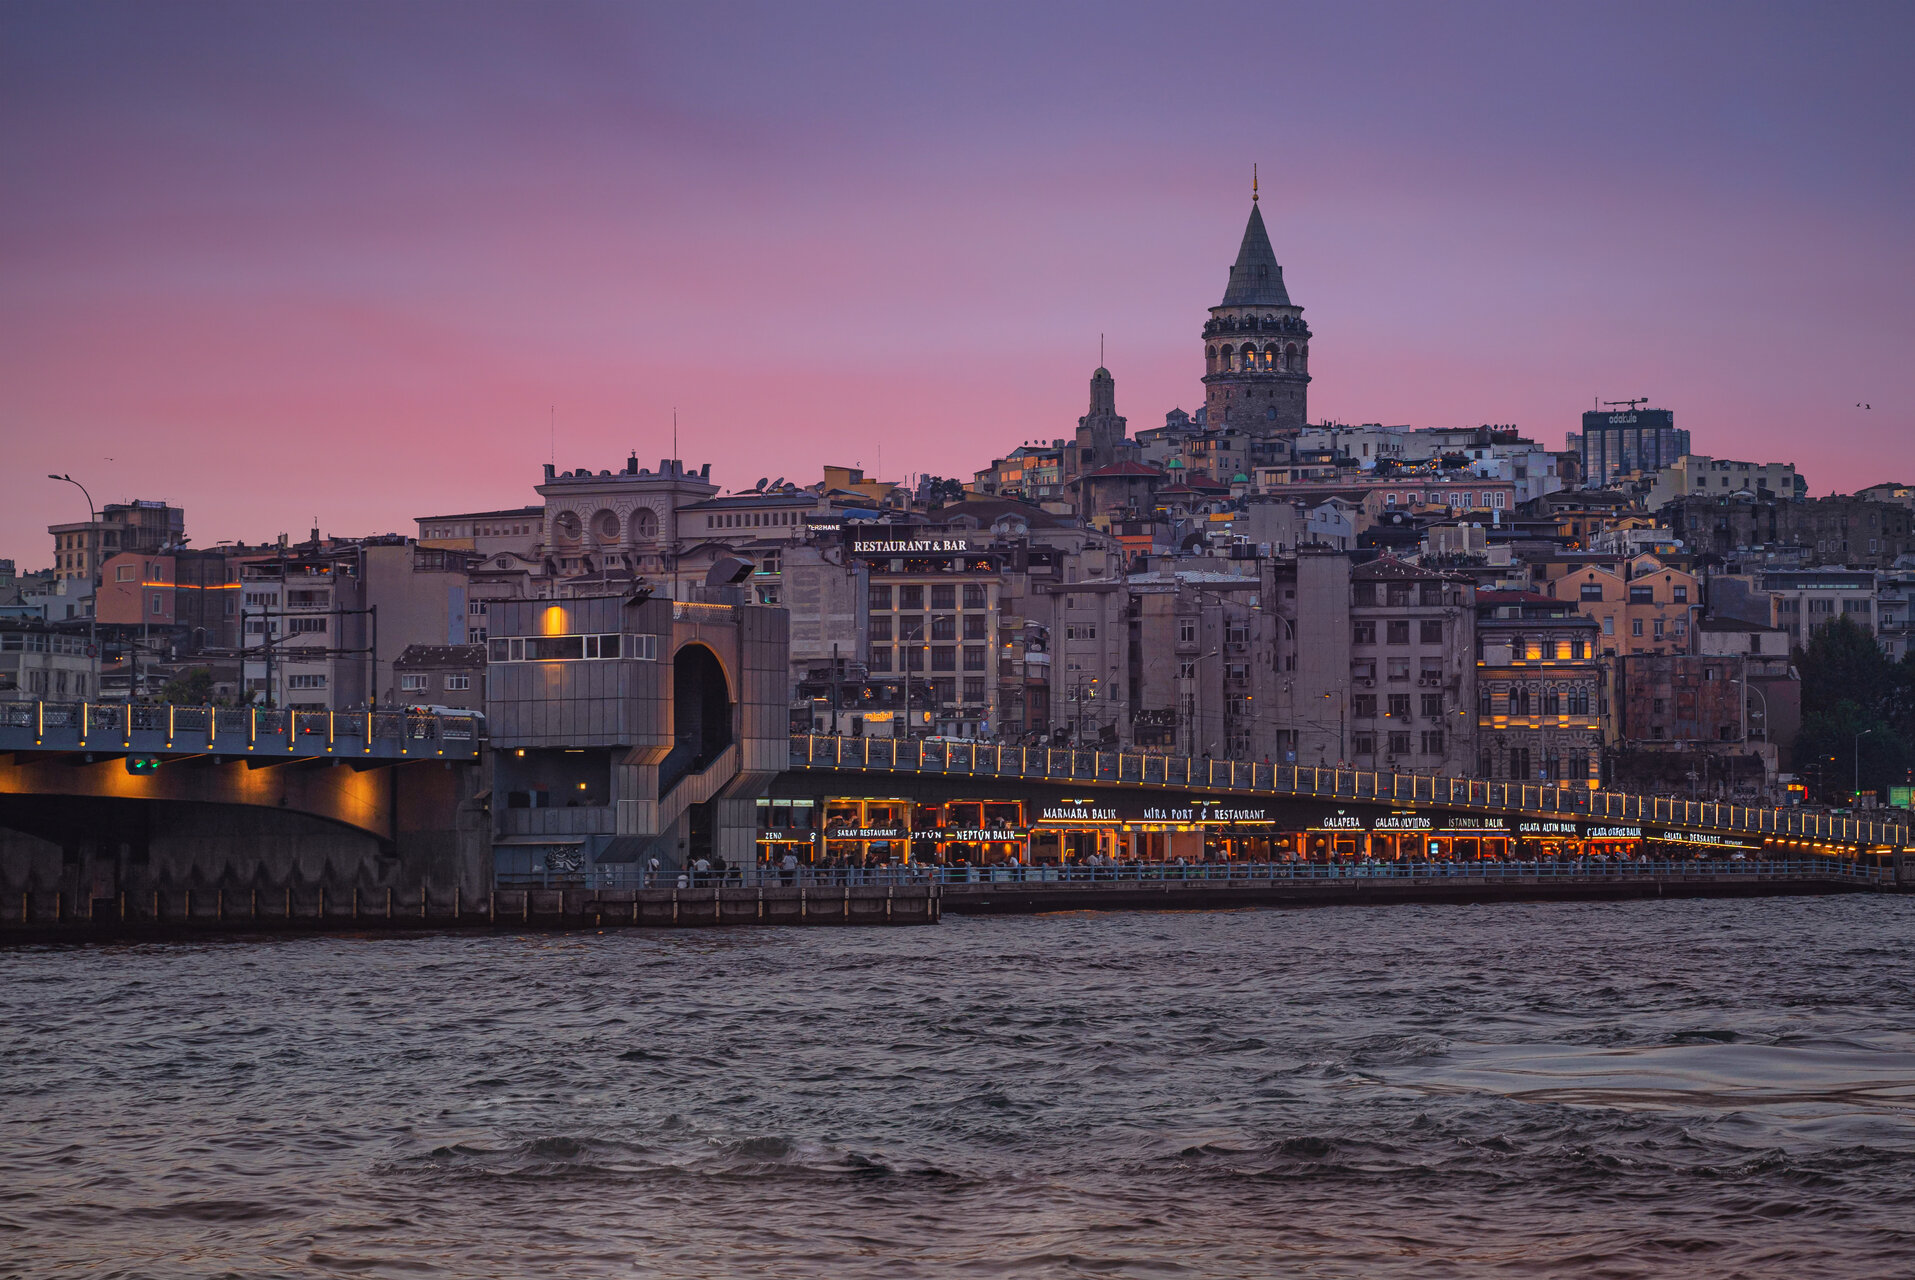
pixel 1544 806
pixel 166 732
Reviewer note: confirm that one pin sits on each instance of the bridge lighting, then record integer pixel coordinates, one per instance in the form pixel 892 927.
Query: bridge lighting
pixel 142 764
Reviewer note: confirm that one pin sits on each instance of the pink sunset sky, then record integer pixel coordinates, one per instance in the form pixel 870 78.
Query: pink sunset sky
pixel 279 262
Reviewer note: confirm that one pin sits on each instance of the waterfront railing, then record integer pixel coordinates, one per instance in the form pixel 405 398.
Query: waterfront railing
pixel 1555 800
pixel 172 727
pixel 1218 875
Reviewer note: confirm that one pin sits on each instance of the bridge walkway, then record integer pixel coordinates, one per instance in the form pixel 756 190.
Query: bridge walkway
pixel 1809 830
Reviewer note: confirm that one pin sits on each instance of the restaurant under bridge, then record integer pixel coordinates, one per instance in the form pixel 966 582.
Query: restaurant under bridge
pixel 871 801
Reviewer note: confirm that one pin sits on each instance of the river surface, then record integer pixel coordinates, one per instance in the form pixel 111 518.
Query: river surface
pixel 1648 1089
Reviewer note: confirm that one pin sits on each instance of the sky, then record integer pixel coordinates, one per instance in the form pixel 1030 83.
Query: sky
pixel 364 263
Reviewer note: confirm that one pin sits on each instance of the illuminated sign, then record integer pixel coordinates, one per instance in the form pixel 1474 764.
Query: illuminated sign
pixel 1342 822
pixel 864 833
pixel 1403 822
pixel 1077 813
pixel 1205 812
pixel 972 835
pixel 1615 833
pixel 1546 828
pixel 906 546
pixel 1701 837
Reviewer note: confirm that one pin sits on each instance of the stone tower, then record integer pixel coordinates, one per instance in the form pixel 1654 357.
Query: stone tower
pixel 1256 345
pixel 1101 432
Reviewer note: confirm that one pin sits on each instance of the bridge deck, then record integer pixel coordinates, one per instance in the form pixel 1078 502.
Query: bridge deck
pixel 165 729
pixel 1407 790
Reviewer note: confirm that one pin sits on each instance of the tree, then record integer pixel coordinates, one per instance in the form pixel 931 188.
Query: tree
pixel 1858 712
pixel 192 687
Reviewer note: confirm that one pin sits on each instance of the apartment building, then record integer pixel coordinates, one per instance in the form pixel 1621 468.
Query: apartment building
pixel 1540 700
pixel 1641 606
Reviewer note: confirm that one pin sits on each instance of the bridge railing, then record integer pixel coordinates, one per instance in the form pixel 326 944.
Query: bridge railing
pixel 1066 764
pixel 1220 875
pixel 177 727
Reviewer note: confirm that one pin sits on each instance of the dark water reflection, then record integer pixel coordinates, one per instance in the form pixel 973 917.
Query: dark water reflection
pixel 1645 1089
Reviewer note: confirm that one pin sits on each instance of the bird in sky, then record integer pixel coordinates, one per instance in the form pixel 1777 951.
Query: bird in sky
pixel 1860 405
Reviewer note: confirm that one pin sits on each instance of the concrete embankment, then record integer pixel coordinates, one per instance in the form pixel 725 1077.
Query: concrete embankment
pixel 1032 897
pixel 48 918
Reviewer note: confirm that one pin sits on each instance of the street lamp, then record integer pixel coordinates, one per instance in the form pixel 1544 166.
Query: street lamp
pixel 93 609
pixel 1856 798
pixel 904 654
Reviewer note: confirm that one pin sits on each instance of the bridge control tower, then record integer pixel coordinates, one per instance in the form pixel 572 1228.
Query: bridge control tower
pixel 625 730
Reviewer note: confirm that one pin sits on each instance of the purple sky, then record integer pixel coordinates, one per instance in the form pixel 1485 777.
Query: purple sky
pixel 274 262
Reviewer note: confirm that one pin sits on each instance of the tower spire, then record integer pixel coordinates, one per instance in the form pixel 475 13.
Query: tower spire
pixel 1253 182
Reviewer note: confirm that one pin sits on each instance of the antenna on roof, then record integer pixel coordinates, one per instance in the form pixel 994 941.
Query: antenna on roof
pixel 552 434
pixel 674 432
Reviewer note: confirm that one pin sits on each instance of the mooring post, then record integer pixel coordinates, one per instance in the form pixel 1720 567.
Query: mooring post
pixel 388 902
pixel 422 899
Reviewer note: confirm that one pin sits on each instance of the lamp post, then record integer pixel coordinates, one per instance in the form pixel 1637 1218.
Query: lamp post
pixel 93 609
pixel 1856 798
pixel 904 654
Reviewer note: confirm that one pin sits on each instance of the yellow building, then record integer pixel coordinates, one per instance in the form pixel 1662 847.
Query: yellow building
pixel 1646 607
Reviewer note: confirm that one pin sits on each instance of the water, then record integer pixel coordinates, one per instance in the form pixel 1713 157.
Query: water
pixel 1640 1089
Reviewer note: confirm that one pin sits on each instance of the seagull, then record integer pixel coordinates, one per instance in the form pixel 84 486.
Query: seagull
pixel 1860 405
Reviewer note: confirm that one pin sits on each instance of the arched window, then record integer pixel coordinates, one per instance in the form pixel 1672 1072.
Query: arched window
pixel 605 526
pixel 1290 359
pixel 1228 352
pixel 644 524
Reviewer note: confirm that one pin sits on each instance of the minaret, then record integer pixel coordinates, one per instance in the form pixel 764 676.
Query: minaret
pixel 1256 345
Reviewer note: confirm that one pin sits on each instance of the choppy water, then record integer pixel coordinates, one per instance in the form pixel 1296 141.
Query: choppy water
pixel 1639 1089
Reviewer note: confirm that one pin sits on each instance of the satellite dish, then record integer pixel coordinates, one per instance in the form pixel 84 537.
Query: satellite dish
pixel 779 483
pixel 759 487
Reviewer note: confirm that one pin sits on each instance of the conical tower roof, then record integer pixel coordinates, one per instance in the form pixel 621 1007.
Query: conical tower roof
pixel 1256 280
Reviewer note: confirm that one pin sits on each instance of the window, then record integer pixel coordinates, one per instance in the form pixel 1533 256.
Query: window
pixel 1080 631
pixel 944 628
pixel 1682 595
pixel 305 626
pixel 944 692
pixel 975 596
pixel 913 657
pixel 1399 705
pixel 1399 668
pixel 974 655
pixel 1609 626
pixel 944 658
pixel 125 573
pixel 1363 633
pixel 571 648
pixel 1579 702
pixel 157 607
pixel 412 683
pixel 1519 701
pixel 1519 762
pixel 1655 705
pixel 1635 626
pixel 1431 633
pixel 1363 706
pixel 881 628
pixel 1399 631
pixel 911 598
pixel 1432 742
pixel 1592 592
pixel 1432 704
pixel 1658 626
pixel 1482 702
pixel 1400 743
pixel 475 607
pixel 974 688
pixel 880 598
pixel 1399 594
pixel 1365 744
pixel 944 597
pixel 976 626
pixel 306 682
pixel 881 659
pixel 458 682
pixel 1552 702
pixel 1187 631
